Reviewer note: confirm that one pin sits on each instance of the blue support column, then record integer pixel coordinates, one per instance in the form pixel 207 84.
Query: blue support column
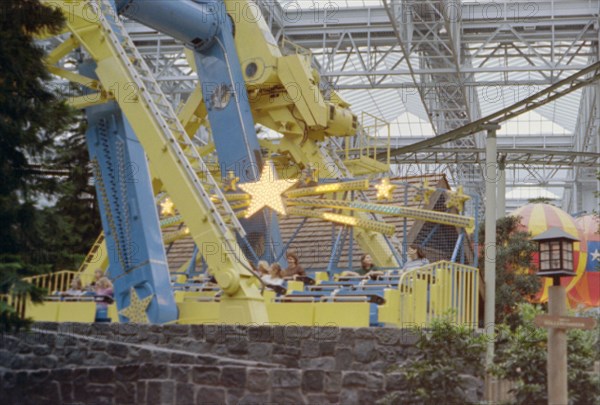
pixel 205 26
pixel 129 216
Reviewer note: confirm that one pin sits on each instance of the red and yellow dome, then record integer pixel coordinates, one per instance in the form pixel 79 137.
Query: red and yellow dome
pixel 538 218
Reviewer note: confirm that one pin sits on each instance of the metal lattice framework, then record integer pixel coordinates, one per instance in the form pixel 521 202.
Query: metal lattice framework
pixel 447 63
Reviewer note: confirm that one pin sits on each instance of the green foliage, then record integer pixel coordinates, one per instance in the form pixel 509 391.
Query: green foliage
pixel 447 353
pixel 516 280
pixel 521 356
pixel 32 118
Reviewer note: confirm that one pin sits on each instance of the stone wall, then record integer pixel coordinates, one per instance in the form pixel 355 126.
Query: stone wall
pixel 210 364
pixel 185 384
pixel 325 348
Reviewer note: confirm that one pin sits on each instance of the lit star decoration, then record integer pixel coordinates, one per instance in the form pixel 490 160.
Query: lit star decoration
pixel 384 189
pixel 457 199
pixel 595 255
pixel 231 181
pixel 136 311
pixel 424 193
pixel 167 208
pixel 267 191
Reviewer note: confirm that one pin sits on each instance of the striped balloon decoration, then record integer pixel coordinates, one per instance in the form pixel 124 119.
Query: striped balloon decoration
pixel 537 218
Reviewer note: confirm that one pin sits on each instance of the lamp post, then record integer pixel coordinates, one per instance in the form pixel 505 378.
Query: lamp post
pixel 555 248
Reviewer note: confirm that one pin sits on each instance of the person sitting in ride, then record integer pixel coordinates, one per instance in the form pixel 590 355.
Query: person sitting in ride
pixel 294 269
pixel 367 268
pixel 76 289
pixel 274 276
pixel 98 274
pixel 104 290
pixel 263 268
pixel 416 258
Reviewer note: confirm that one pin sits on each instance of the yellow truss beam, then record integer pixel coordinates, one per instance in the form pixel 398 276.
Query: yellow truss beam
pixel 329 188
pixel 161 135
pixel 366 224
pixel 391 210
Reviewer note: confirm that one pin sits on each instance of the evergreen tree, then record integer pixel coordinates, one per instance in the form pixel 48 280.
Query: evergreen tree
pixel 31 116
pixel 516 281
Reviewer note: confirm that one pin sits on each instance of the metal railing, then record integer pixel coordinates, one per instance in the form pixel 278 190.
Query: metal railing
pixel 439 289
pixel 59 281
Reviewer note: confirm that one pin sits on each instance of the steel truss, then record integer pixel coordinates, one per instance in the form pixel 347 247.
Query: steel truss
pixel 451 52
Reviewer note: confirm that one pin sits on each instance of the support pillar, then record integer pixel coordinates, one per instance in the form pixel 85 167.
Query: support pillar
pixel 557 347
pixel 491 180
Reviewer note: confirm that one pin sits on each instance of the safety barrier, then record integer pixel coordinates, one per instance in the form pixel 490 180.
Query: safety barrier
pixel 414 299
pixel 59 281
pixel 439 289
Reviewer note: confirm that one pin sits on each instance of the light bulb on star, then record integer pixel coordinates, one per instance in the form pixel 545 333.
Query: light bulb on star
pixel 267 191
pixel 167 208
pixel 384 189
pixel 457 199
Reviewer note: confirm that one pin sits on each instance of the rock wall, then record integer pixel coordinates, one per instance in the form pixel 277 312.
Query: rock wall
pixel 325 348
pixel 208 364
pixel 185 384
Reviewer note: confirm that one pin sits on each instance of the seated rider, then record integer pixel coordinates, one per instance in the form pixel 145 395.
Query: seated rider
pixel 416 258
pixel 263 268
pixel 76 289
pixel 274 277
pixel 104 288
pixel 294 269
pixel 367 268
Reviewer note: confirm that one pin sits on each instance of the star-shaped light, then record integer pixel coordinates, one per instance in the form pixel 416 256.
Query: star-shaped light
pixel 424 193
pixel 457 199
pixel 167 208
pixel 136 311
pixel 230 182
pixel 595 255
pixel 267 191
pixel 384 189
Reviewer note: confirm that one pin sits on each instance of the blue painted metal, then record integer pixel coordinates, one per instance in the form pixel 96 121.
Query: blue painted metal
pixel 192 267
pixel 336 251
pixel 462 250
pixel 289 242
pixel 430 235
pixel 205 26
pixel 129 216
pixel 457 246
pixel 254 257
pixel 374 315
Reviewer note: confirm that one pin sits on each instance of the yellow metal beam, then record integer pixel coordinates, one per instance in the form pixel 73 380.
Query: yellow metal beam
pixel 366 224
pixel 309 153
pixel 161 138
pixel 391 210
pixel 329 188
pixel 62 50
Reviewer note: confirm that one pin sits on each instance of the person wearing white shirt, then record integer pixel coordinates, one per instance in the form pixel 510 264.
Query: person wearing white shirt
pixel 416 258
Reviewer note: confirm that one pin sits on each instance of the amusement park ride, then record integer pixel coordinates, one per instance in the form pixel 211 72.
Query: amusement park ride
pixel 230 190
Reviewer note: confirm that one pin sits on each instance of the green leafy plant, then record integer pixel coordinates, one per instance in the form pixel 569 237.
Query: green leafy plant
pixel 32 116
pixel 438 373
pixel 516 280
pixel 521 356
